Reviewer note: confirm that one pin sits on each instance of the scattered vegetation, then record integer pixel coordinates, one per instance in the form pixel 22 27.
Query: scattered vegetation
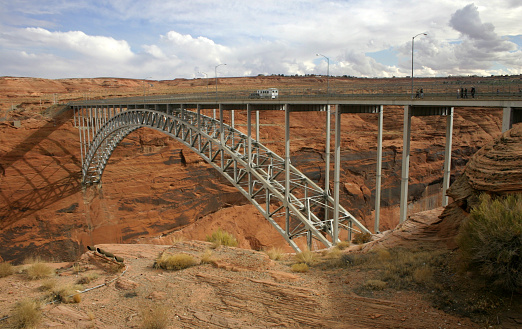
pixel 39 270
pixel 343 245
pixel 155 317
pixel 490 241
pixel 207 257
pixel 48 285
pixel 375 284
pixel 333 258
pixel 222 238
pixel 76 268
pixel 88 278
pixel 300 268
pixel 307 257
pixel 26 314
pixel 174 261
pixel 275 253
pixel 6 269
pixel 67 294
pixel 360 238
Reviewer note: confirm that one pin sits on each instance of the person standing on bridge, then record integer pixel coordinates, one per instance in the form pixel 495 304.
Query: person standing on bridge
pixel 472 92
pixel 421 93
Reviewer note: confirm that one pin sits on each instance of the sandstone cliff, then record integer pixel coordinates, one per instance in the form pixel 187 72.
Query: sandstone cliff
pixel 156 190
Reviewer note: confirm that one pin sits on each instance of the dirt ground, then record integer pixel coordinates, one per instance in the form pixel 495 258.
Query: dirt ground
pixel 238 288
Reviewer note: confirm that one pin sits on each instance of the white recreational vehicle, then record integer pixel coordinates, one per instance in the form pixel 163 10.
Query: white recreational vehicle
pixel 265 93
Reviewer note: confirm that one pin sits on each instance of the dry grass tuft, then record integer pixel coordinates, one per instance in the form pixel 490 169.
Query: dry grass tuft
pixel 423 274
pixel 275 254
pixel 222 238
pixel 155 317
pixel 26 314
pixel 360 238
pixel 343 245
pixel 76 268
pixel 300 268
pixel 48 285
pixel 6 269
pixel 307 257
pixel 383 254
pixel 88 278
pixel 174 261
pixel 207 257
pixel 375 285
pixel 39 271
pixel 68 294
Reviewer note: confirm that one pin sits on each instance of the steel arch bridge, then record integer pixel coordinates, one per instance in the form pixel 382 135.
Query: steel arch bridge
pixel 288 199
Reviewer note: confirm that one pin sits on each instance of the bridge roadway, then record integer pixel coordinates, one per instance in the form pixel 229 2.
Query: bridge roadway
pixel 296 206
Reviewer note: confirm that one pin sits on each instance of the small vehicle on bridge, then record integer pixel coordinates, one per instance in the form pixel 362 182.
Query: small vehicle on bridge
pixel 265 93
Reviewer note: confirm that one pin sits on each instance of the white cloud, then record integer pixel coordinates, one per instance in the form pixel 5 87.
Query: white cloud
pixel 166 39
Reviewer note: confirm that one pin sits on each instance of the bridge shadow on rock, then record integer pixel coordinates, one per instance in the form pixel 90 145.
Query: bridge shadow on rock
pixel 38 172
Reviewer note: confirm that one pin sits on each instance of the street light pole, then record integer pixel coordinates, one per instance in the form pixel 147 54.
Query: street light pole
pixel 412 42
pixel 215 72
pixel 327 74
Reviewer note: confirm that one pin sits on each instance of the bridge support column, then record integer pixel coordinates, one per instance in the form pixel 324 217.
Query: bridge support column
pixel 507 118
pixel 257 136
pixel 249 149
pixel 327 164
pixel 198 119
pixel 447 157
pixel 337 174
pixel 378 176
pixel 405 163
pixel 287 169
pixel 222 135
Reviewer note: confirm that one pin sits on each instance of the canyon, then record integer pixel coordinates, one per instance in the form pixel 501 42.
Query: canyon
pixel 154 190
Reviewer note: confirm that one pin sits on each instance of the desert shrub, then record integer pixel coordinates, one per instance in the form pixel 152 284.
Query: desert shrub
pixel 333 258
pixel 383 254
pixel 174 261
pixel 404 268
pixel 207 257
pixel 423 274
pixel 343 245
pixel 76 268
pixel 360 238
pixel 48 285
pixel 490 241
pixel 375 284
pixel 26 314
pixel 6 269
pixel 275 253
pixel 39 270
pixel 88 278
pixel 67 294
pixel 300 268
pixel 222 238
pixel 155 317
pixel 307 257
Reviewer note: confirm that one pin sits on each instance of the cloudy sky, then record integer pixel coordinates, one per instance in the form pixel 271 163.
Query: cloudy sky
pixel 167 39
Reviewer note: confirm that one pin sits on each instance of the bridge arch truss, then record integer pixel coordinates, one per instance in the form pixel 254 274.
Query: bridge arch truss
pixel 288 199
